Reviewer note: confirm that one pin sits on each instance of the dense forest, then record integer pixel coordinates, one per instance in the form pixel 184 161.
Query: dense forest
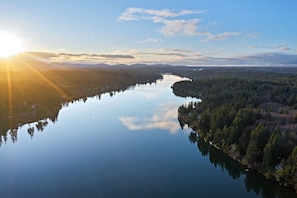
pixel 251 116
pixel 32 93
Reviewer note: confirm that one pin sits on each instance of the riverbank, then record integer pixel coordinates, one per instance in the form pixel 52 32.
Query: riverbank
pixel 235 155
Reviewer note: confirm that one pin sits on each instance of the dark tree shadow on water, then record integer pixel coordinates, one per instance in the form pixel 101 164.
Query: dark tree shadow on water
pixel 253 180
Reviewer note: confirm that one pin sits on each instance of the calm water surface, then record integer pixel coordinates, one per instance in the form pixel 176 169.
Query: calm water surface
pixel 127 145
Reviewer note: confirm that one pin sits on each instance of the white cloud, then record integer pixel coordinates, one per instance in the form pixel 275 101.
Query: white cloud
pixel 173 26
pixel 221 36
pixel 133 14
pixel 112 58
pixel 183 27
pixel 151 40
pixel 171 56
pixel 283 47
pixel 259 59
pixel 194 58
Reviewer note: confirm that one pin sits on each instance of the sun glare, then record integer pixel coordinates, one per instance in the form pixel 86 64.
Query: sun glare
pixel 9 45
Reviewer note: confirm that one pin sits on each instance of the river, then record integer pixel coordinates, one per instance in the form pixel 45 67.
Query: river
pixel 126 144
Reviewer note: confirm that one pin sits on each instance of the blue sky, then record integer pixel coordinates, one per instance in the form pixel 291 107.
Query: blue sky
pixel 188 32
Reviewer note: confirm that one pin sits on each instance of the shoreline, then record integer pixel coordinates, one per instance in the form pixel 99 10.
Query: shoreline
pixel 247 167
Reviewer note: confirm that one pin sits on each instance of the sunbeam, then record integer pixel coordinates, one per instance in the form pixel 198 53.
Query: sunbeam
pixel 61 92
pixel 9 91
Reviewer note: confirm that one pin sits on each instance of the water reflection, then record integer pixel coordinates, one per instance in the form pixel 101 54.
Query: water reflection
pixel 13 133
pixel 163 117
pixel 253 180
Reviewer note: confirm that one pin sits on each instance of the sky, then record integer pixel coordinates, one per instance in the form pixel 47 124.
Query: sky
pixel 187 32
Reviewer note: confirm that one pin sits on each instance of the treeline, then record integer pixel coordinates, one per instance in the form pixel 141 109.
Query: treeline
pixel 31 95
pixel 253 120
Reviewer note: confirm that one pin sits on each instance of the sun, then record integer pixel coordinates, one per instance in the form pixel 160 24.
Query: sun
pixel 9 45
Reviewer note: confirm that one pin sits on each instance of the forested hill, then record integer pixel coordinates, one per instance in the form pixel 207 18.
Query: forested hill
pixel 252 116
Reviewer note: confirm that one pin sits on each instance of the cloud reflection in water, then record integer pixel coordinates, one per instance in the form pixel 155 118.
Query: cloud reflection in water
pixel 164 117
pixel 164 113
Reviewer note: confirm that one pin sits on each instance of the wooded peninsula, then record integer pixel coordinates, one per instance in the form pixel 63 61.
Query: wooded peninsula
pixel 251 115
